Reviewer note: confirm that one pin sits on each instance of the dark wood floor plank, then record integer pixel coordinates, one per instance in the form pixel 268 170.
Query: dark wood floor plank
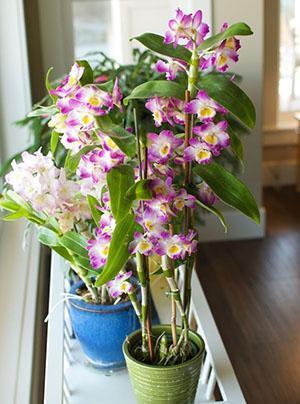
pixel 253 288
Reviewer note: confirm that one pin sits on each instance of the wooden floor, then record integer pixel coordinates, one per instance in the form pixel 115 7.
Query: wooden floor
pixel 253 288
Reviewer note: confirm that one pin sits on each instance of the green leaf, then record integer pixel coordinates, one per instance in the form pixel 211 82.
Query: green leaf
pixel 155 43
pixel 88 75
pixel 139 191
pixel 48 85
pixel 43 111
pixel 123 139
pixel 74 243
pixel 229 189
pixel 54 141
pixel 228 94
pixel 8 204
pixel 118 249
pixel 72 160
pixel 63 252
pixel 15 215
pixel 48 237
pixel 161 88
pixel 93 204
pixel 240 28
pixel 107 86
pixel 119 180
pixel 215 211
pixel 236 144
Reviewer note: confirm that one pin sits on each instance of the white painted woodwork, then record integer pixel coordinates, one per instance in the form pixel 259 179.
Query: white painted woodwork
pixel 70 381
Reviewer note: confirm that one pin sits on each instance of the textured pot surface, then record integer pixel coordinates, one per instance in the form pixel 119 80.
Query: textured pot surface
pixel 164 384
pixel 101 330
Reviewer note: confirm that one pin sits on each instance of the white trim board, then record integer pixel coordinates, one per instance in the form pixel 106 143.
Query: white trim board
pixel 240 227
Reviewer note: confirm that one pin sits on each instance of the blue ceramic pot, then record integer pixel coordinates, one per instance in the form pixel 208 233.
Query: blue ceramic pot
pixel 101 330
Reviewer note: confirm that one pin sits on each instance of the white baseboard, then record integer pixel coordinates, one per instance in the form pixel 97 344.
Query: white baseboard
pixel 239 227
pixel 277 173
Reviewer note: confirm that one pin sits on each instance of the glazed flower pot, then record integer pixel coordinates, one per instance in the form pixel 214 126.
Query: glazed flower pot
pixel 164 384
pixel 101 330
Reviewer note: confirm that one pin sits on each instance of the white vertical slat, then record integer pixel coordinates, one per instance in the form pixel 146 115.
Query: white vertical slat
pixel 205 369
pixel 226 378
pixel 55 339
pixel 211 385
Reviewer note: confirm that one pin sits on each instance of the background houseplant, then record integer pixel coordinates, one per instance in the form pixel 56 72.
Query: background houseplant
pixel 150 182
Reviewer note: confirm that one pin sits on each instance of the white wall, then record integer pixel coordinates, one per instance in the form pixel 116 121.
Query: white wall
pixel 250 67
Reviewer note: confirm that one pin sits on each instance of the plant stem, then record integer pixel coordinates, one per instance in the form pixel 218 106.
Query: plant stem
pixel 143 283
pixel 136 305
pixel 193 75
pixel 175 292
pixel 82 273
pixel 173 301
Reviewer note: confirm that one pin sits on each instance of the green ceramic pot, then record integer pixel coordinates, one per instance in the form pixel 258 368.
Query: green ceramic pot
pixel 164 384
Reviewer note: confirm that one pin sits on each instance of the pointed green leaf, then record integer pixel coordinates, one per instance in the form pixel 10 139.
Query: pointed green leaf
pixel 240 28
pixel 214 211
pixel 139 191
pixel 74 243
pixel 43 111
pixel 48 85
pixel 63 252
pixel 88 74
pixel 236 144
pixel 229 189
pixel 155 43
pixel 48 237
pixel 93 204
pixel 161 88
pixel 54 141
pixel 119 180
pixel 118 249
pixel 232 97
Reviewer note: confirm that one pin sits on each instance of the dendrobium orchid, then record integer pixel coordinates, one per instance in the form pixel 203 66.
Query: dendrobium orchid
pixel 186 29
pixel 134 191
pixel 204 107
pixel 162 146
pixel 120 285
pixel 214 136
pixel 198 151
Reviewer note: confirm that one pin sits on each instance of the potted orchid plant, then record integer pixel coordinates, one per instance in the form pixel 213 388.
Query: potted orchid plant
pixel 136 192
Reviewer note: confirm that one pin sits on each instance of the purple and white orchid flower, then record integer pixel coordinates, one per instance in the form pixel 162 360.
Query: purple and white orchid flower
pixel 197 151
pixel 162 146
pixel 204 106
pixel 214 135
pixel 70 83
pixel 206 194
pixel 120 285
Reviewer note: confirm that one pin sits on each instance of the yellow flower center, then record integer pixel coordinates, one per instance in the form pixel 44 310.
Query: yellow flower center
pixel 203 154
pixel 94 101
pixel 111 144
pixel 157 116
pixel 165 148
pixel 173 249
pixel 86 119
pixel 179 204
pixel 71 81
pixel 211 139
pixel 149 225
pixel 205 112
pixel 159 189
pixel 222 59
pixel 144 246
pixel 105 250
pixel 230 43
pixel 123 287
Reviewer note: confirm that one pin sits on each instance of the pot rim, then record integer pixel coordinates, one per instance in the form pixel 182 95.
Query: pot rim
pixel 128 355
pixel 98 308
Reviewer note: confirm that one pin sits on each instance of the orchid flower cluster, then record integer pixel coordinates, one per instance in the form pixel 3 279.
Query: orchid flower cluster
pixel 79 106
pixel 134 192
